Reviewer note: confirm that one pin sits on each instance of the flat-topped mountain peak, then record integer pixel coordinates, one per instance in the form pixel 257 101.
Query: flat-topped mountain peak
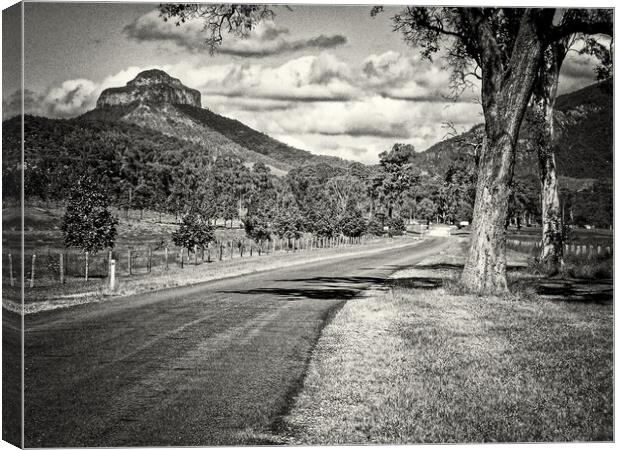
pixel 150 86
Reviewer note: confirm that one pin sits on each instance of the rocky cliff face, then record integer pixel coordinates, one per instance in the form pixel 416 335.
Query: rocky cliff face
pixel 150 86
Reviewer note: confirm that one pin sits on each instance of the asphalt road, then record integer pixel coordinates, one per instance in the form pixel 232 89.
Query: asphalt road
pixel 209 364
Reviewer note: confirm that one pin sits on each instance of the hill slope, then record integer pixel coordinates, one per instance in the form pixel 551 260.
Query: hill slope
pixel 584 148
pixel 156 101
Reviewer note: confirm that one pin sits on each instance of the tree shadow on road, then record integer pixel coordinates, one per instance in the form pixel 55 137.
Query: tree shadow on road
pixel 300 293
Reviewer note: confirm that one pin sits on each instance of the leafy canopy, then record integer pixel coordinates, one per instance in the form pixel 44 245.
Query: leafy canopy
pixel 87 223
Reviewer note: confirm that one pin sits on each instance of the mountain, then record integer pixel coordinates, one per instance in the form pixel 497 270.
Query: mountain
pixel 150 86
pixel 159 102
pixel 584 147
pixel 584 154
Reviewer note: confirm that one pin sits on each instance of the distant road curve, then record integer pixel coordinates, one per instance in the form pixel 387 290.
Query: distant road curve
pixel 209 364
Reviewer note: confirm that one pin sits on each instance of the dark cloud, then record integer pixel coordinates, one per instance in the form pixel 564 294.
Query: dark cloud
pixel 285 97
pixel 393 130
pixel 281 46
pixel 267 39
pixel 433 98
pixel 12 105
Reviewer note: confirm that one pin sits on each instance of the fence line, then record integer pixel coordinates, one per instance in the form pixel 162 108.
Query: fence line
pixel 534 247
pixel 57 267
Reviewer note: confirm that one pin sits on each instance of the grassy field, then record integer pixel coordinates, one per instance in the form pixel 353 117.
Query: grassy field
pixel 42 228
pixel 421 363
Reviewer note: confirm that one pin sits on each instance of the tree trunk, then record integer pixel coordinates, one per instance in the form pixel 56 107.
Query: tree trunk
pixel 543 137
pixel 485 267
pixel 506 91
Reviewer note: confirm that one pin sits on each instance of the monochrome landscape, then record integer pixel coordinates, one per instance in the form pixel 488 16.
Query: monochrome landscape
pixel 306 225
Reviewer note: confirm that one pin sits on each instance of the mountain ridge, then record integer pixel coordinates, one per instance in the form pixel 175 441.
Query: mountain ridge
pixel 157 101
pixel 584 143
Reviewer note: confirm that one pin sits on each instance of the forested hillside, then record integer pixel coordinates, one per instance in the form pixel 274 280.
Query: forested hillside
pixel 584 156
pixel 584 149
pixel 177 157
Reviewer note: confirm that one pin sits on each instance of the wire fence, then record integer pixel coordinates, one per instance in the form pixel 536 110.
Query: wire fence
pixel 533 248
pixel 47 268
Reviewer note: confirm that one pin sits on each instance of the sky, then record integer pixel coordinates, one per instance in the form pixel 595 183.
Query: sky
pixel 328 79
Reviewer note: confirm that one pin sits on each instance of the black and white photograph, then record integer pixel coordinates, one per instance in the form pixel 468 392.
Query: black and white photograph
pixel 307 224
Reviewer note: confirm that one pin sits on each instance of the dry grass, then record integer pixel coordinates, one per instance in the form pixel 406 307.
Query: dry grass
pixel 421 365
pixel 78 292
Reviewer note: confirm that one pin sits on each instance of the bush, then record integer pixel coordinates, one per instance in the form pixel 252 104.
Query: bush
pixel 374 227
pixel 397 226
pixel 353 223
pixel 288 224
pixel 257 227
pixel 325 226
pixel 195 231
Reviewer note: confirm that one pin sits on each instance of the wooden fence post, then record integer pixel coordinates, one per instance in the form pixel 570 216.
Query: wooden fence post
pixel 61 268
pixel 11 270
pixel 166 259
pixel 112 274
pixel 86 268
pixel 221 250
pixel 195 256
pixel 34 257
pixel 182 257
pixel 129 261
pixel 231 249
pixel 149 262
pixel 209 253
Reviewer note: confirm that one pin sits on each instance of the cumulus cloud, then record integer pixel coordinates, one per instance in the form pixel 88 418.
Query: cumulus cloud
pixel 406 77
pixel 309 78
pixel 308 101
pixel 71 98
pixel 265 40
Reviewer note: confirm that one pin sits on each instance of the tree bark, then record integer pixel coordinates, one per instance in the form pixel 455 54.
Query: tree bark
pixel 506 91
pixel 544 137
pixel 485 267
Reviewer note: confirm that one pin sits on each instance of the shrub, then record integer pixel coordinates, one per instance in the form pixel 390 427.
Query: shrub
pixel 397 226
pixel 374 227
pixel 195 231
pixel 288 224
pixel 257 227
pixel 353 223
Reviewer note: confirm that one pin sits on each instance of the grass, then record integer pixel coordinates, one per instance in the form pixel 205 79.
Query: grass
pixel 417 364
pixel 588 267
pixel 77 291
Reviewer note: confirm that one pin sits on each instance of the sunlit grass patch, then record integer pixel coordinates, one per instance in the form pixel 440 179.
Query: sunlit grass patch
pixel 423 365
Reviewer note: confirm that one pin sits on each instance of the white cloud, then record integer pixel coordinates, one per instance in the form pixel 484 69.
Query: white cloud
pixel 309 101
pixel 71 97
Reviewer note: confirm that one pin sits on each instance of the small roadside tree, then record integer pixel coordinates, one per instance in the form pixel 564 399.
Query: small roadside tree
pixel 258 228
pixel 288 224
pixel 194 232
pixel 87 223
pixel 353 223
